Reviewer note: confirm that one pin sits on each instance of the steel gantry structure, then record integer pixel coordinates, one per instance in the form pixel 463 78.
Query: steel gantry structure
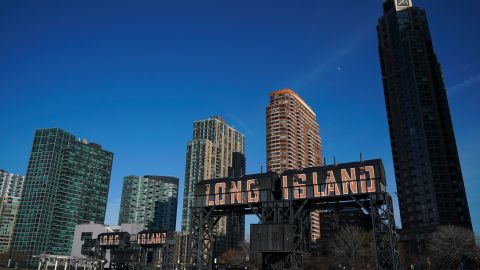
pixel 283 204
pixel 150 249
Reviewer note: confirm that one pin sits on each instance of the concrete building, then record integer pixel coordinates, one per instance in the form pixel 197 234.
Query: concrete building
pixel 209 156
pixel 293 139
pixel 85 238
pixel 429 179
pixel 11 187
pixel 86 235
pixel 67 183
pixel 150 200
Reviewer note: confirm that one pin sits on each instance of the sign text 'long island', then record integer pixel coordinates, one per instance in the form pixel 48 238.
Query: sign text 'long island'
pixel 315 182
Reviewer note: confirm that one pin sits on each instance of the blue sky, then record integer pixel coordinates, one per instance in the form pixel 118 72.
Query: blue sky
pixel 133 76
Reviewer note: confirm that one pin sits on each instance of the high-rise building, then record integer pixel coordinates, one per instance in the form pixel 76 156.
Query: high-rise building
pixel 149 200
pixel 209 156
pixel 427 168
pixel 293 135
pixel 67 183
pixel 11 187
pixel 86 239
pixel 293 138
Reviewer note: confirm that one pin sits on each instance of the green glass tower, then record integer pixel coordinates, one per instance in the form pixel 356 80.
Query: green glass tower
pixel 67 183
pixel 149 200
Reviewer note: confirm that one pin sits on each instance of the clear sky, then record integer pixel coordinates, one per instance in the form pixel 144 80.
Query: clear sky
pixel 133 76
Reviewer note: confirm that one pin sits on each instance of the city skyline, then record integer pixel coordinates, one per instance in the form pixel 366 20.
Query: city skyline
pixel 114 118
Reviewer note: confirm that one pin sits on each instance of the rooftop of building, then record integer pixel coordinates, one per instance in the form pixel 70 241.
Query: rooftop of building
pixel 390 5
pixel 293 94
pixel 215 117
pixel 168 179
pixel 80 140
pixel 222 120
pixel 10 173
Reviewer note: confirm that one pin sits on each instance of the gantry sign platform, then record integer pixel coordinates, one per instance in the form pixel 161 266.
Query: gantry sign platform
pixel 119 245
pixel 283 204
pixel 160 244
pixel 150 248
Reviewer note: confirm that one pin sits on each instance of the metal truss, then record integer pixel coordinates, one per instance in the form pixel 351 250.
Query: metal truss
pixel 168 255
pixel 385 236
pixel 202 238
pixel 292 213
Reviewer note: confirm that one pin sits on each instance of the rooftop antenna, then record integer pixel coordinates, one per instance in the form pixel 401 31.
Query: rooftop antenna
pixel 361 157
pixel 334 161
pixel 261 168
pixel 324 161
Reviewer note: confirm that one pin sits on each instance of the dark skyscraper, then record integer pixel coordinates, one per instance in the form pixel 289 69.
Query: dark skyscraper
pixel 236 223
pixel 427 168
pixel 67 183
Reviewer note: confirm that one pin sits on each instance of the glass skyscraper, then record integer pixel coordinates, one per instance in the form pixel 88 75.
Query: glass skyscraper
pixel 149 200
pixel 67 183
pixel 429 179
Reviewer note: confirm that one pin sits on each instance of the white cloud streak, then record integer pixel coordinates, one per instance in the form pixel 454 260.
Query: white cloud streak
pixel 469 82
pixel 356 40
pixel 242 125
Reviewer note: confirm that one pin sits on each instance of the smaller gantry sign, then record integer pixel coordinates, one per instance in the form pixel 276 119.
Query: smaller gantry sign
pixel 151 238
pixel 113 239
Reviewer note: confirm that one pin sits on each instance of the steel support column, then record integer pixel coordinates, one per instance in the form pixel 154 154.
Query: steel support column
pixel 385 236
pixel 169 255
pixel 286 212
pixel 202 238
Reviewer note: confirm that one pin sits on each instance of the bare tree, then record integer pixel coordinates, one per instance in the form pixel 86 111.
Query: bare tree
pixel 318 262
pixel 232 257
pixel 16 258
pixel 4 259
pixel 353 248
pixel 239 257
pixel 477 252
pixel 451 247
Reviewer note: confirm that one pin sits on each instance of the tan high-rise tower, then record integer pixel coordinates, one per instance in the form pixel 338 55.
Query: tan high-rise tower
pixel 212 153
pixel 293 138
